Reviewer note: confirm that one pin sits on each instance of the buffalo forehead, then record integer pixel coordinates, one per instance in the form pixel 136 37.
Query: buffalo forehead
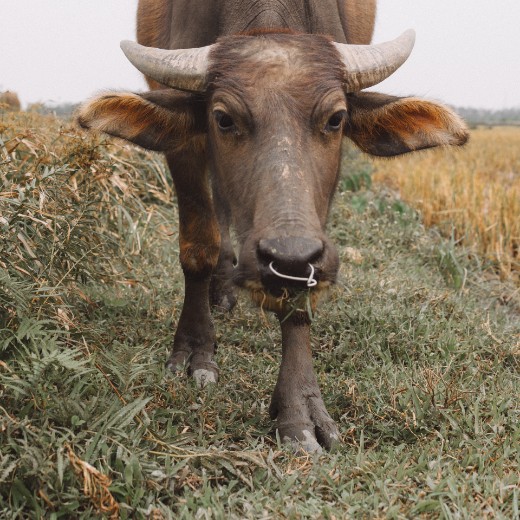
pixel 279 59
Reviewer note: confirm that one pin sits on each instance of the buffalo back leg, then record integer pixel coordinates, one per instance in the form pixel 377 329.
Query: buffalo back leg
pixel 222 292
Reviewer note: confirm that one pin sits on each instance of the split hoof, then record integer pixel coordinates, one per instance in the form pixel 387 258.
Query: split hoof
pixel 204 377
pixel 307 444
pixel 224 302
pixel 307 426
pixel 200 366
pixel 178 362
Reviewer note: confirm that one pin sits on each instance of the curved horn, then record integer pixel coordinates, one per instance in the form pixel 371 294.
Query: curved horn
pixel 367 65
pixel 182 69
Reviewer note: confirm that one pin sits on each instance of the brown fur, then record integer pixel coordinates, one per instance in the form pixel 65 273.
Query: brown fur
pixel 154 23
pixel 263 31
pixel 163 23
pixel 358 19
pixel 153 27
pixel 160 120
pixel 199 240
pixel 287 304
pixel 386 125
pixel 237 65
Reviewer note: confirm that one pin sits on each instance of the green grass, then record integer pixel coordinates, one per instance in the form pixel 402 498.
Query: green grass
pixel 417 352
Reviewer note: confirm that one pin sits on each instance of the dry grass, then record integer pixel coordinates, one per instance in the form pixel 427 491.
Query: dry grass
pixel 65 198
pixel 472 193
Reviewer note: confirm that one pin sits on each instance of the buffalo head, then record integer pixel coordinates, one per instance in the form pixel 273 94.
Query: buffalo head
pixel 270 111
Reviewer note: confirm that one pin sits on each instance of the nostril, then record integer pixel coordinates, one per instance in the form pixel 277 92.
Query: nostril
pixel 290 255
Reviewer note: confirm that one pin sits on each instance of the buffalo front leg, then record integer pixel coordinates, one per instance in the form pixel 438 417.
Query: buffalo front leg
pixel 199 242
pixel 301 417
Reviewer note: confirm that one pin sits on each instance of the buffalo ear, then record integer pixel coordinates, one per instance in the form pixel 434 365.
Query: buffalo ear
pixel 159 120
pixel 386 125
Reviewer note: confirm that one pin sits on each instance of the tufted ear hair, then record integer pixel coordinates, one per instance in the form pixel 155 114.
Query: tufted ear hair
pixel 386 125
pixel 159 120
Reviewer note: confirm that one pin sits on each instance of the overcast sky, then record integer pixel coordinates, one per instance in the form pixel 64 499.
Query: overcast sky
pixel 467 51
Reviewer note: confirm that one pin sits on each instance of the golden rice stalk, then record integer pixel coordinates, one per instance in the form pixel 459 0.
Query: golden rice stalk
pixel 472 193
pixel 95 486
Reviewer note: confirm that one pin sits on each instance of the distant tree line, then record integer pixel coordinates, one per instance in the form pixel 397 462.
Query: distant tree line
pixel 474 116
pixel 481 116
pixel 63 110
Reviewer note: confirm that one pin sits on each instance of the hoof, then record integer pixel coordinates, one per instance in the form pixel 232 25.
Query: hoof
pixel 308 444
pixel 224 302
pixel 222 294
pixel 178 362
pixel 200 366
pixel 306 426
pixel 204 377
pixel 203 369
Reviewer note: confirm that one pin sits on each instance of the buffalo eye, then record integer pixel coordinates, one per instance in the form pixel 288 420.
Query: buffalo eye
pixel 335 121
pixel 224 121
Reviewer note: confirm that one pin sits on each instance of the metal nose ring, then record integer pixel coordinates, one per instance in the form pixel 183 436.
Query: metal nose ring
pixel 311 281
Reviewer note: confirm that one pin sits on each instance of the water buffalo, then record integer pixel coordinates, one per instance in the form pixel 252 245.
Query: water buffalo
pixel 10 100
pixel 256 95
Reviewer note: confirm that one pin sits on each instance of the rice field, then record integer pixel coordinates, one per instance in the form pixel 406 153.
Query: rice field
pixel 471 194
